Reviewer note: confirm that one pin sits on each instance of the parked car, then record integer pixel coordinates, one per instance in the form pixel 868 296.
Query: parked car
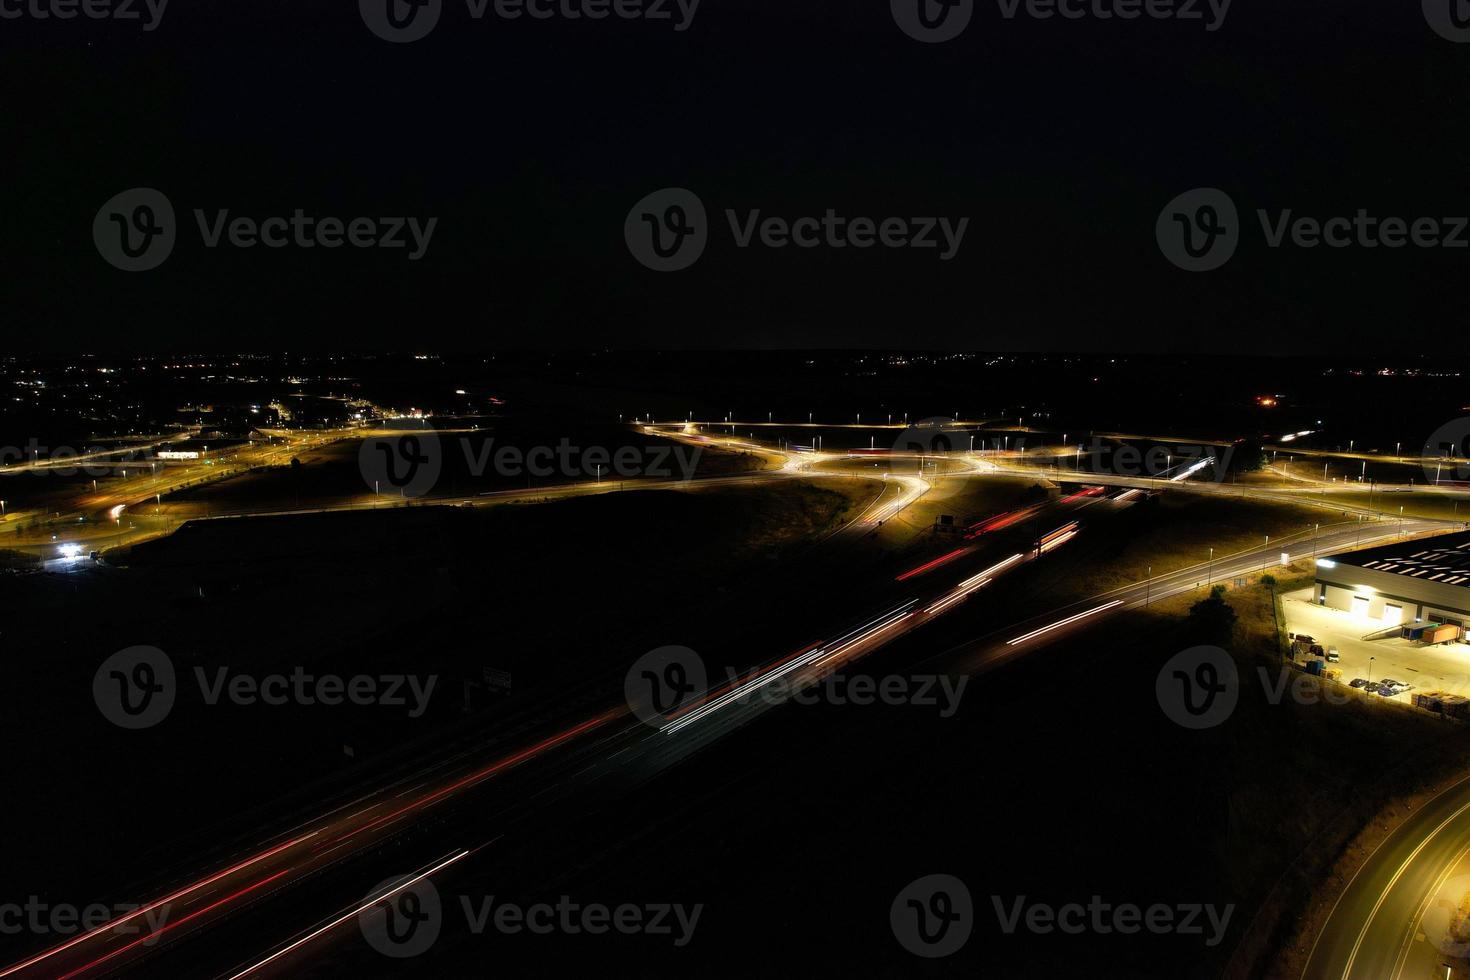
pixel 1333 656
pixel 1359 682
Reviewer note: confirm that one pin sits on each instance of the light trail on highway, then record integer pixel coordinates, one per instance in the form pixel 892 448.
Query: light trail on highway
pixel 335 838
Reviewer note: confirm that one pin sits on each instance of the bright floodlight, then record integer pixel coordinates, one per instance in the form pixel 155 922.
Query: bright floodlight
pixel 71 550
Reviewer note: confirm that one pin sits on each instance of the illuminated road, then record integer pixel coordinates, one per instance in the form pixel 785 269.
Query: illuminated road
pixel 1379 929
pixel 334 845
pixel 344 846
pixel 1004 644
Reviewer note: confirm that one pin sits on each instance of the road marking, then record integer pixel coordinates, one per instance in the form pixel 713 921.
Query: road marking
pixel 1362 933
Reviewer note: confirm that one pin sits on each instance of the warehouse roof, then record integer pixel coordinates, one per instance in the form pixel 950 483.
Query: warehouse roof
pixel 1444 559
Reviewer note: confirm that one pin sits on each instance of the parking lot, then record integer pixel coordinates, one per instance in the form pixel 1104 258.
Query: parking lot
pixel 1445 667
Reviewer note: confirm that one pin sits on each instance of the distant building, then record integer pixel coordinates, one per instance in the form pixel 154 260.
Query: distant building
pixel 1408 582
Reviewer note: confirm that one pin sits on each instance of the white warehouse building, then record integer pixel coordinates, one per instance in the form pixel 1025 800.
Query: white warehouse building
pixel 1424 581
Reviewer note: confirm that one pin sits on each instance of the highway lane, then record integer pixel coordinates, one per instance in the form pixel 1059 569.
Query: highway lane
pixel 738 702
pixel 1301 495
pixel 1376 929
pixel 1017 638
pixel 332 843
pixel 731 706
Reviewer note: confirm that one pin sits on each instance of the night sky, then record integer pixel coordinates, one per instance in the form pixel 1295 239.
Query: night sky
pixel 529 141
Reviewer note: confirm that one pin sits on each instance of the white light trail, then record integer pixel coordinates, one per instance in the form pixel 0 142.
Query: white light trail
pixel 347 915
pixel 816 656
pixel 1064 622
pixel 1192 469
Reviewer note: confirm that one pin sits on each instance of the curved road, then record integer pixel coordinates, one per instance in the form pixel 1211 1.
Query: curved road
pixel 1390 921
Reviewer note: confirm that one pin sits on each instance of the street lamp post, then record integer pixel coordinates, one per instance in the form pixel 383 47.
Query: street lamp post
pixel 1148 587
pixel 1210 577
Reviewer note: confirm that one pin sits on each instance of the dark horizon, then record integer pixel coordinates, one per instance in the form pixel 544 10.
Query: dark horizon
pixel 1060 141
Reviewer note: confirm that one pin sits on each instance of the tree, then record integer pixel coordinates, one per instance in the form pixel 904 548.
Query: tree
pixel 1212 620
pixel 1246 456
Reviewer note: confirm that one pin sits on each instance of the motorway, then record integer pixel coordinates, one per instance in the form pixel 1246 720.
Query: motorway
pixel 340 852
pixel 1392 920
pixel 320 866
